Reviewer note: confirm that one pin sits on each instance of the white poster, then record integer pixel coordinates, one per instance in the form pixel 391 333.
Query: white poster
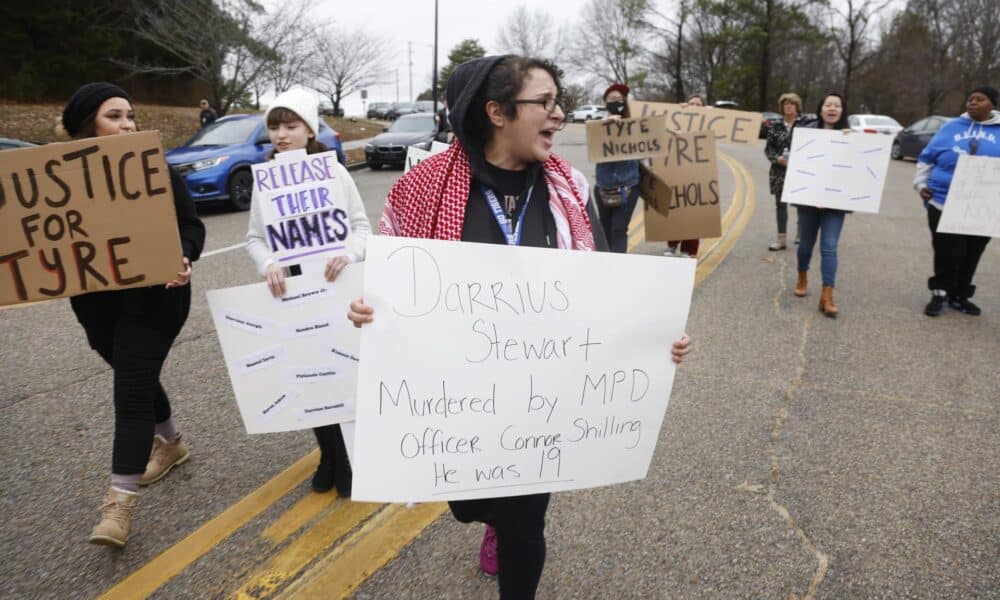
pixel 836 169
pixel 973 203
pixel 292 361
pixel 414 155
pixel 500 371
pixel 304 217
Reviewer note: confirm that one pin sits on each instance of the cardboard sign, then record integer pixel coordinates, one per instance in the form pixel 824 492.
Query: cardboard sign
pixel 304 216
pixel 611 140
pixel 833 169
pixel 973 203
pixel 86 216
pixel 414 155
pixel 681 190
pixel 494 370
pixel 292 361
pixel 734 126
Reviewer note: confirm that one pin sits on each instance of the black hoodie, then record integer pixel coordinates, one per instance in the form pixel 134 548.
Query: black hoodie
pixel 479 225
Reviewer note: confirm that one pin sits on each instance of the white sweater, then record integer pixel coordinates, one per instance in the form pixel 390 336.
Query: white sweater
pixel 343 187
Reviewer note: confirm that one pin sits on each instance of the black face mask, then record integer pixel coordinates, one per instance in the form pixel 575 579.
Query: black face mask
pixel 615 108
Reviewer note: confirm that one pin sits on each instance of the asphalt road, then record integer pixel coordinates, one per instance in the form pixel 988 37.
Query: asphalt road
pixel 800 455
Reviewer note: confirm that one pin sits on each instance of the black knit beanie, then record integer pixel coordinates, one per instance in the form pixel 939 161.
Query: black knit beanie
pixel 85 101
pixel 988 91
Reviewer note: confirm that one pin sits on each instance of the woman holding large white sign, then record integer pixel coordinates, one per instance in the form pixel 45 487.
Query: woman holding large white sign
pixel 956 256
pixel 292 123
pixel 133 330
pixel 822 223
pixel 505 112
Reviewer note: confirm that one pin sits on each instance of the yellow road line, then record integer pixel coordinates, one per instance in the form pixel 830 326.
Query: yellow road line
pixel 365 551
pixel 288 563
pixel 297 516
pixel 175 559
pixel 715 255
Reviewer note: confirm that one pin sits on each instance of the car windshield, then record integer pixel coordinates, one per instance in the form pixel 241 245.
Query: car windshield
pixel 405 105
pixel 882 121
pixel 415 125
pixel 225 133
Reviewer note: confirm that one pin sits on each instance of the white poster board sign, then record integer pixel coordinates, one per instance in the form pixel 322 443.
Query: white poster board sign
pixel 414 155
pixel 304 216
pixel 293 360
pixel 833 169
pixel 501 371
pixel 973 203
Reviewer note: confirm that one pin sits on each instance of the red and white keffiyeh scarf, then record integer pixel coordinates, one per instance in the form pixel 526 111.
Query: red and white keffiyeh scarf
pixel 429 201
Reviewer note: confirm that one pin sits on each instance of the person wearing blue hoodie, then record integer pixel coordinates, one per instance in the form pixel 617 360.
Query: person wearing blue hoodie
pixel 956 256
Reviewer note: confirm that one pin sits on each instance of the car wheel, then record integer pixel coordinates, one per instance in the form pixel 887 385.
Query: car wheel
pixel 374 166
pixel 897 151
pixel 240 189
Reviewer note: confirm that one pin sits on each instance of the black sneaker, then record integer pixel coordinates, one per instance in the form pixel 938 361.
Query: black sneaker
pixel 936 306
pixel 965 306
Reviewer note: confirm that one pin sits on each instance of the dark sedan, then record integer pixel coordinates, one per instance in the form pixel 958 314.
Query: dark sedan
pixel 910 142
pixel 389 148
pixel 400 109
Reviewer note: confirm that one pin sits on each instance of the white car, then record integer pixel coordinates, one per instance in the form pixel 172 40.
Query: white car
pixel 588 112
pixel 874 124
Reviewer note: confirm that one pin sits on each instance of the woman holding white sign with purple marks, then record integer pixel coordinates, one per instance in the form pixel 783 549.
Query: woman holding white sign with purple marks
pixel 823 224
pixel 292 122
pixel 505 112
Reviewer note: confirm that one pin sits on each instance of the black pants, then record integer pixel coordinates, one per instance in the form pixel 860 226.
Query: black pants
pixel 133 330
pixel 520 525
pixel 781 210
pixel 331 444
pixel 615 219
pixel 956 257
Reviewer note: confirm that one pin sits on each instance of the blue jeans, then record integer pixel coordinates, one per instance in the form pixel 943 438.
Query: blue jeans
pixel 825 224
pixel 615 220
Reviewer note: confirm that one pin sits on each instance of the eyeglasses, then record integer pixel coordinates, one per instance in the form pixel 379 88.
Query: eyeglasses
pixel 550 105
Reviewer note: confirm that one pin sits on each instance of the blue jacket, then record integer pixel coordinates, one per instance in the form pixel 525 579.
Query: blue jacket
pixel 937 162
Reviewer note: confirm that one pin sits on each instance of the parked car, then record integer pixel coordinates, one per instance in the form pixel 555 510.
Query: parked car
pixel 12 144
pixel 399 109
pixel 910 142
pixel 588 112
pixel 389 148
pixel 215 162
pixel 874 124
pixel 726 104
pixel 377 110
pixel 328 111
pixel 426 105
pixel 770 119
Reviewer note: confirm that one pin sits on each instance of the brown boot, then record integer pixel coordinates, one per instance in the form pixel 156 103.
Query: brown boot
pixel 800 286
pixel 117 512
pixel 826 305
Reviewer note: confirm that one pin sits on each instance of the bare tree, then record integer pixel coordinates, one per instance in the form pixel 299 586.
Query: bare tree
pixel 296 60
pixel 852 35
pixel 346 62
pixel 670 58
pixel 220 42
pixel 976 52
pixel 530 33
pixel 610 39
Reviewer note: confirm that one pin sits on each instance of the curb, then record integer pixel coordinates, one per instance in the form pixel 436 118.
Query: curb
pixel 357 166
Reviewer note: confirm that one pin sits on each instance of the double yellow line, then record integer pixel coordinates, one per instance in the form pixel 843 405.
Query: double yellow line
pixel 343 543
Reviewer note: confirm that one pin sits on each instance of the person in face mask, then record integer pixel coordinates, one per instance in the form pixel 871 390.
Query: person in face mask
pixel 617 188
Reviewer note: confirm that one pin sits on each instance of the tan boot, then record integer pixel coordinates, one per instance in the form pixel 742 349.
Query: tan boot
pixel 802 284
pixel 781 244
pixel 826 305
pixel 117 512
pixel 165 456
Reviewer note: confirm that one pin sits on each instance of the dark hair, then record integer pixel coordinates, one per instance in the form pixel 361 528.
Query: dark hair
pixel 502 86
pixel 283 115
pixel 842 122
pixel 88 127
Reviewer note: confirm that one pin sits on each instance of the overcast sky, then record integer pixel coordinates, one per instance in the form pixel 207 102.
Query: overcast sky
pixel 402 21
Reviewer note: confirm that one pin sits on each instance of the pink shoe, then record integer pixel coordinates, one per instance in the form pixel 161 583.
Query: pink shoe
pixel 488 561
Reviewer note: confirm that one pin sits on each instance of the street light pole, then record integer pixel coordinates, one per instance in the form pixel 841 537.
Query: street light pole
pixel 434 77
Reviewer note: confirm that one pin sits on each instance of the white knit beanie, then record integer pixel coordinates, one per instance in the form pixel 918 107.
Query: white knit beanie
pixel 301 102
